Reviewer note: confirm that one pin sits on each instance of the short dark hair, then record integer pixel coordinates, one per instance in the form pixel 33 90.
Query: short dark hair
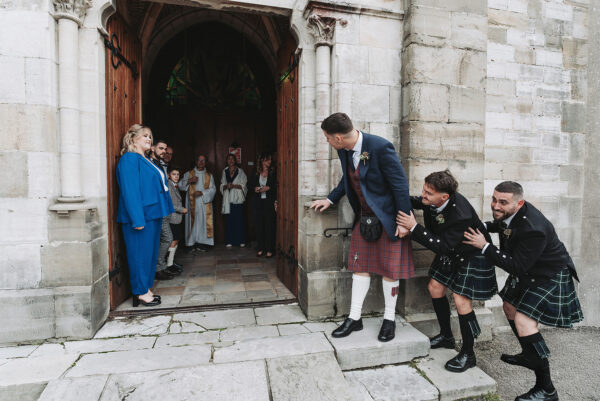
pixel 174 168
pixel 337 123
pixel 442 181
pixel 510 187
pixel 160 140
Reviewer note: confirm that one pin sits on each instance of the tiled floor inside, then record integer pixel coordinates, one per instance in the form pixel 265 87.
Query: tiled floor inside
pixel 219 276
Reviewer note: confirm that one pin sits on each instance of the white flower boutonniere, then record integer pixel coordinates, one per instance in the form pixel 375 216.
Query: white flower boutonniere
pixel 440 219
pixel 506 232
pixel 364 156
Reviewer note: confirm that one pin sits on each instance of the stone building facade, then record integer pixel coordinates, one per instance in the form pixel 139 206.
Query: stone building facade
pixel 492 89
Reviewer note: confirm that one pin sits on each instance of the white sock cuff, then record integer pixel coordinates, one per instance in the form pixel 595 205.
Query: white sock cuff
pixel 390 284
pixel 361 278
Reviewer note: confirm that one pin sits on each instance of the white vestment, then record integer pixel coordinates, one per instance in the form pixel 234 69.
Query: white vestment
pixel 197 233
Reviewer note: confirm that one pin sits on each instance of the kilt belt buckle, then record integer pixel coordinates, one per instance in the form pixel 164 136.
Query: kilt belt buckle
pixel 369 221
pixel 514 282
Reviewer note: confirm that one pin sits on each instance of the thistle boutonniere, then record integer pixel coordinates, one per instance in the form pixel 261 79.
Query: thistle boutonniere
pixel 364 156
pixel 506 232
pixel 440 219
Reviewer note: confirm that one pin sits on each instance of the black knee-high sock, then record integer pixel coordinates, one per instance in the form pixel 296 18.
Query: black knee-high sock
pixel 513 326
pixel 537 353
pixel 442 311
pixel 469 329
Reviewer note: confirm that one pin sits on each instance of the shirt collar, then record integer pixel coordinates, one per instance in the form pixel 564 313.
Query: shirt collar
pixel 439 209
pixel 509 219
pixel 358 145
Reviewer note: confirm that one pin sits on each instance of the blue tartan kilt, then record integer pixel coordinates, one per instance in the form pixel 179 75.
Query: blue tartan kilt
pixel 553 302
pixel 476 281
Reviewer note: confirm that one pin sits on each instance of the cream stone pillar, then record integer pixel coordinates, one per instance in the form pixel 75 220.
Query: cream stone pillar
pixel 69 14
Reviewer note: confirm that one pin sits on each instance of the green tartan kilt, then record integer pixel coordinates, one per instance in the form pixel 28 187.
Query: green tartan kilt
pixel 553 303
pixel 476 281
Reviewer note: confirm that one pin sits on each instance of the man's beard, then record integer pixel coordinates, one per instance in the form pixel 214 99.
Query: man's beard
pixel 504 215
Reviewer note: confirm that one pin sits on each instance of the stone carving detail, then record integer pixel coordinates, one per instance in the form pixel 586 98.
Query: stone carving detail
pixel 73 9
pixel 323 28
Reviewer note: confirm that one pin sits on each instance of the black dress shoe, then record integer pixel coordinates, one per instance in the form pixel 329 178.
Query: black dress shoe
pixel 538 394
pixel 441 341
pixel 387 331
pixel 461 362
pixel 517 359
pixel 178 266
pixel 347 327
pixel 163 275
pixel 137 302
pixel 173 271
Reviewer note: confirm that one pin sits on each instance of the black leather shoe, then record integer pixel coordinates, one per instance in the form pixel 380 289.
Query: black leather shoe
pixel 517 359
pixel 137 302
pixel 538 394
pixel 156 297
pixel 347 327
pixel 461 362
pixel 441 341
pixel 163 275
pixel 387 331
pixel 173 271
pixel 178 266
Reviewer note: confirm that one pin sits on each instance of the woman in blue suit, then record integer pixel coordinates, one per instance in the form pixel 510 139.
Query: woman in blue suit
pixel 143 202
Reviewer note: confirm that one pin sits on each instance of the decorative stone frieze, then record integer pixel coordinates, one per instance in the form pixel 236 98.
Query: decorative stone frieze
pixel 72 9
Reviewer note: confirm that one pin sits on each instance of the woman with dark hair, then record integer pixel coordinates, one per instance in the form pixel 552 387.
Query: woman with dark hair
pixel 234 190
pixel 143 202
pixel 264 186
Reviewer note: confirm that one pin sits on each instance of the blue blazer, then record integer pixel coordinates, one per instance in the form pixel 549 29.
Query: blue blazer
pixel 143 196
pixel 382 182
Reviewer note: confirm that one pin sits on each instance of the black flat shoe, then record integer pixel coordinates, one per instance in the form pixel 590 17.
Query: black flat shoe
pixel 517 359
pixel 387 331
pixel 538 394
pixel 461 362
pixel 441 341
pixel 157 297
pixel 137 302
pixel 347 327
pixel 173 271
pixel 178 266
pixel 163 275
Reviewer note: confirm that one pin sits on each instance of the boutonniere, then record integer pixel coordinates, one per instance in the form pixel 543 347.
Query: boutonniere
pixel 440 218
pixel 364 156
pixel 506 232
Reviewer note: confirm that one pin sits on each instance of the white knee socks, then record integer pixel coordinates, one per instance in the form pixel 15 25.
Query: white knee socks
pixel 390 294
pixel 360 287
pixel 171 257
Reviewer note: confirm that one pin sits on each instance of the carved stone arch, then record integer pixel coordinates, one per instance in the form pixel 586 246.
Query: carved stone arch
pixel 180 22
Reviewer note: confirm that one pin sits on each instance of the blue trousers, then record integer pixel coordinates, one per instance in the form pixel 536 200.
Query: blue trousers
pixel 234 226
pixel 142 254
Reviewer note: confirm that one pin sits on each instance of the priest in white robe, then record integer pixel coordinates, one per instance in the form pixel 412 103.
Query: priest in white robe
pixel 199 221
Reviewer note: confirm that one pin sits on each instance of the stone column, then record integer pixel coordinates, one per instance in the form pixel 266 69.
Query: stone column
pixel 69 14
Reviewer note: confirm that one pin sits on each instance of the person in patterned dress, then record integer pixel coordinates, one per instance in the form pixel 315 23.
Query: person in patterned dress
pixel 376 187
pixel 539 288
pixel 456 266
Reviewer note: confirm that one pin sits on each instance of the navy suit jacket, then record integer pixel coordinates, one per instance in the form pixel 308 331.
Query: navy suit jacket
pixel 142 196
pixel 382 182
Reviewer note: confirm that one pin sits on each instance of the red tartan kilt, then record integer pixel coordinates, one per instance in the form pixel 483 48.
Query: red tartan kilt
pixel 385 257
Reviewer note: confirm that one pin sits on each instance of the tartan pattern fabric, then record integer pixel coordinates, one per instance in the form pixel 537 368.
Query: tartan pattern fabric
pixel 385 257
pixel 553 303
pixel 476 281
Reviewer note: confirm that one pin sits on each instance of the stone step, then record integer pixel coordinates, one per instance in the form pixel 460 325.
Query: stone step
pixel 361 349
pixel 454 386
pixel 427 323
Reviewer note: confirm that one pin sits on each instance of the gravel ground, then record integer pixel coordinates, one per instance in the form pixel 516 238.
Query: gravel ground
pixel 574 364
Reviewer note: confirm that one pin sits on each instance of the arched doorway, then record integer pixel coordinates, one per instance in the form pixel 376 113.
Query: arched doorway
pixel 236 93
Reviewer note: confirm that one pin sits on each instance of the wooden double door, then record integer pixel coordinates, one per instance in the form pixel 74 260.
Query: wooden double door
pixel 124 108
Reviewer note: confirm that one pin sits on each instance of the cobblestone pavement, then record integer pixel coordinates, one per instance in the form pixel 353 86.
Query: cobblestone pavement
pixel 574 364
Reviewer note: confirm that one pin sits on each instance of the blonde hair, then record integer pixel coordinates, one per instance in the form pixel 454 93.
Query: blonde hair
pixel 132 132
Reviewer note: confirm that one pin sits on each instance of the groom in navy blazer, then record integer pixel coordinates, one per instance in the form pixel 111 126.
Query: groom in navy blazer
pixel 375 185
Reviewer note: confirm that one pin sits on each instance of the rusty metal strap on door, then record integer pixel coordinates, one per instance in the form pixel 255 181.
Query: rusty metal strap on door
pixel 117 57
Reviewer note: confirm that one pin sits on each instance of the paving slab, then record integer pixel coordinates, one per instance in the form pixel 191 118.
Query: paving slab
pixel 219 319
pixel 294 328
pixel 185 327
pixel 454 386
pixel 136 326
pixel 249 332
pixel 75 389
pixel 246 381
pixel 361 349
pixel 392 383
pixel 321 327
pixel 110 344
pixel 177 340
pixel 307 377
pixel 49 349
pixel 279 314
pixel 140 360
pixel 17 352
pixel 273 347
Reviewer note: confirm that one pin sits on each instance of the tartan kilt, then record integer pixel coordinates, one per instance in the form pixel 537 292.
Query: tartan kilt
pixel 385 257
pixel 476 281
pixel 553 303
